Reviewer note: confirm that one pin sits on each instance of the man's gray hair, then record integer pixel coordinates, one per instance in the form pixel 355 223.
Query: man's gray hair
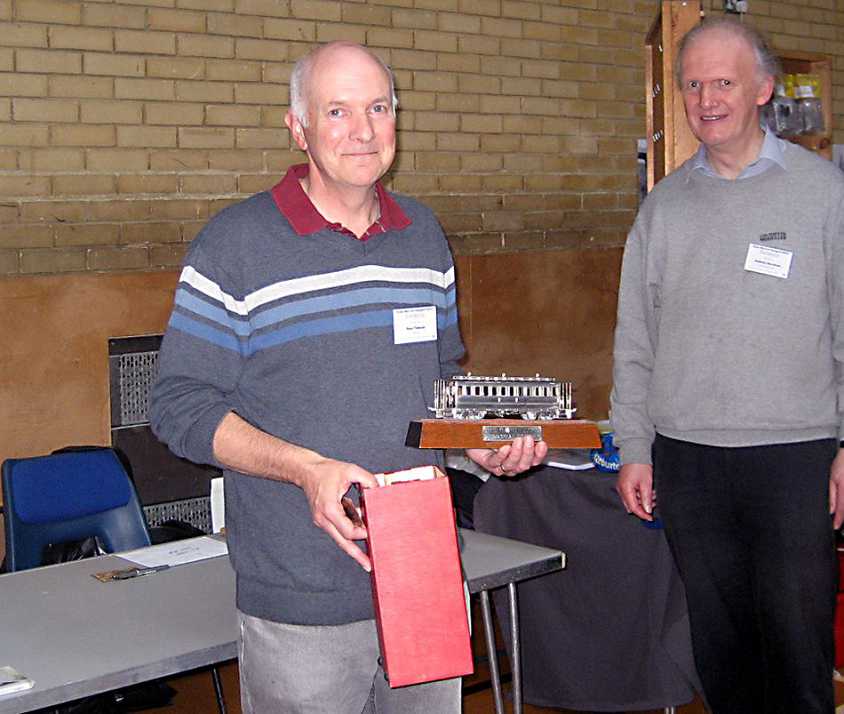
pixel 301 77
pixel 767 63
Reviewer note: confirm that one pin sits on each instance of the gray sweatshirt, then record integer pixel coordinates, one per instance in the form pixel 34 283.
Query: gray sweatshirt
pixel 709 352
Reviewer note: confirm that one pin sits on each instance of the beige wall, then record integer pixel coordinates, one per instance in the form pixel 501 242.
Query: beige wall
pixel 124 125
pixel 54 388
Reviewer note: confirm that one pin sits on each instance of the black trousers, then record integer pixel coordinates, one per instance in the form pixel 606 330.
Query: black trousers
pixel 751 534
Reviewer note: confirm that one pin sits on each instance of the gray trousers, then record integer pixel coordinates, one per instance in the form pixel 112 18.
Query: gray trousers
pixel 310 669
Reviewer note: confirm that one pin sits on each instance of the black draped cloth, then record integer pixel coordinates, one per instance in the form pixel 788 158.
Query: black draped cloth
pixel 610 632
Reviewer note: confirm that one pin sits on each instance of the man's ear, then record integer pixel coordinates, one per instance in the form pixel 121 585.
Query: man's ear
pixel 297 131
pixel 766 89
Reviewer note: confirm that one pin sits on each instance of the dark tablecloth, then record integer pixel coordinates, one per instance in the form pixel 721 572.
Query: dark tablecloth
pixel 610 632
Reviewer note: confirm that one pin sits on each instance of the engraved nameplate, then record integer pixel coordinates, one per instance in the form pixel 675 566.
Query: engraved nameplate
pixel 508 433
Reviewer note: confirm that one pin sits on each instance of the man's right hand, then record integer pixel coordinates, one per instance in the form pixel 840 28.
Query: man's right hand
pixel 635 486
pixel 325 482
pixel 242 447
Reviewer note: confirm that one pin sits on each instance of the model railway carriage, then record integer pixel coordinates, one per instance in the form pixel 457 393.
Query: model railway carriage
pixel 472 397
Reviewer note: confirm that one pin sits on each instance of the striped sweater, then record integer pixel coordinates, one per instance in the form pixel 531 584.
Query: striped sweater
pixel 294 333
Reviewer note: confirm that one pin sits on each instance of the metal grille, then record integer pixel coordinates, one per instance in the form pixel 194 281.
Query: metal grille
pixel 137 372
pixel 196 511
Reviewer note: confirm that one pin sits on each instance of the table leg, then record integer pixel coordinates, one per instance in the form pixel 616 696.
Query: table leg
pixel 515 655
pixel 218 689
pixel 491 652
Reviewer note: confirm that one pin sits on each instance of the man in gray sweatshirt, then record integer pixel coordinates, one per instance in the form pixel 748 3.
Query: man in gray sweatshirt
pixel 727 397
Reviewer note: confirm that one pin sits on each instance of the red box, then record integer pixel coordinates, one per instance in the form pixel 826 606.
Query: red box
pixel 839 630
pixel 417 582
pixel 839 613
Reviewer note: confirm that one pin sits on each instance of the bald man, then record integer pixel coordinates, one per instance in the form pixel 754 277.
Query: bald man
pixel 309 325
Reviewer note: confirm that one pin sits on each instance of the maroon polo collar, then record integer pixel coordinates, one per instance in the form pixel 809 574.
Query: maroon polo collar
pixel 294 204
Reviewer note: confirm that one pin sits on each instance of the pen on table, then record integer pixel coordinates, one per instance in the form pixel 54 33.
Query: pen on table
pixel 138 572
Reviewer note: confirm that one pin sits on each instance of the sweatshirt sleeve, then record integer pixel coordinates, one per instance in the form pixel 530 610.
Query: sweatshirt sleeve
pixel 199 362
pixel 834 247
pixel 633 355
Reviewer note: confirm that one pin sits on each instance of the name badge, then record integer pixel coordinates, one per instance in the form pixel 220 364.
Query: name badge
pixel 414 324
pixel 768 261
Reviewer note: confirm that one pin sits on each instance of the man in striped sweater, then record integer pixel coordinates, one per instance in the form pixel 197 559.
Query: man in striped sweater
pixel 309 324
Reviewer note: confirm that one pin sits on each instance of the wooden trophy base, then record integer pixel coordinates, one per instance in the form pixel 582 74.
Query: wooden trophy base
pixel 492 433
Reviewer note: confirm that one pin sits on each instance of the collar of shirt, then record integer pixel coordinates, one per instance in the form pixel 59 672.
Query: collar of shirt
pixel 295 205
pixel 771 154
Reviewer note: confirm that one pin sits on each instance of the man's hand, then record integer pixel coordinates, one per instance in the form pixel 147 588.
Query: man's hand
pixel 325 483
pixel 635 486
pixel 242 447
pixel 510 459
pixel 836 490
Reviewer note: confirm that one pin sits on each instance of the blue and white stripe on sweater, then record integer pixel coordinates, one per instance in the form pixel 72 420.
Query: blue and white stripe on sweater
pixel 300 307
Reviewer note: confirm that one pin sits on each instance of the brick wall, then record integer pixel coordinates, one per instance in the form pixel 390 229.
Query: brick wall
pixel 125 124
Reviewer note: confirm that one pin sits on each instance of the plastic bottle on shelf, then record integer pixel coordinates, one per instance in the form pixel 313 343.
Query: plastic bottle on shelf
pixel 783 117
pixel 809 104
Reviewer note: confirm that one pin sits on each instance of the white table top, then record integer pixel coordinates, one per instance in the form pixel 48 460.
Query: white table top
pixel 76 636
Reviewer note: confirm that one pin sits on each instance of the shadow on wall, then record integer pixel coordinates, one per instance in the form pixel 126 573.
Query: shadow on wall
pixel 551 312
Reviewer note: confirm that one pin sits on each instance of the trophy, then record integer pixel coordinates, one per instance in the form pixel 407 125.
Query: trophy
pixel 487 412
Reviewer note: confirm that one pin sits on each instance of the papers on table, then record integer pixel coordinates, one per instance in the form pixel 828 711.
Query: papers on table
pixel 12 681
pixel 177 552
pixel 218 504
pixel 570 459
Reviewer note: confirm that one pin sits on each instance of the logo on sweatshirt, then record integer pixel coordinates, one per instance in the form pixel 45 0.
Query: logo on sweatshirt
pixel 779 235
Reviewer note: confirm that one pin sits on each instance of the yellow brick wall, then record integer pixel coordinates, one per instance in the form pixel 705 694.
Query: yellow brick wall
pixel 125 124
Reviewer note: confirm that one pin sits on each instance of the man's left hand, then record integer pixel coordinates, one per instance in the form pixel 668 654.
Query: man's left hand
pixel 512 459
pixel 836 490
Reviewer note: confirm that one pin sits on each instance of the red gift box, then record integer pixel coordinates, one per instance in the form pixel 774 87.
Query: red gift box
pixel 417 582
pixel 839 630
pixel 839 612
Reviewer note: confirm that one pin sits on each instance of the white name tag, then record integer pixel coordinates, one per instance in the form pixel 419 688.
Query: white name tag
pixel 414 324
pixel 768 261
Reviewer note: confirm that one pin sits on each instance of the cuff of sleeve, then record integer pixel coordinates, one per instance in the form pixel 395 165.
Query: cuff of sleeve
pixel 635 451
pixel 199 443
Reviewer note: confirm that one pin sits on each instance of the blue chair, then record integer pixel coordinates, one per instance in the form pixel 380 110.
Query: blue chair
pixel 69 496
pixel 65 497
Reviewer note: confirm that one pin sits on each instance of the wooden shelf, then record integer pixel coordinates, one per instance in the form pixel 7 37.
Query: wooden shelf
pixel 794 62
pixel 670 141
